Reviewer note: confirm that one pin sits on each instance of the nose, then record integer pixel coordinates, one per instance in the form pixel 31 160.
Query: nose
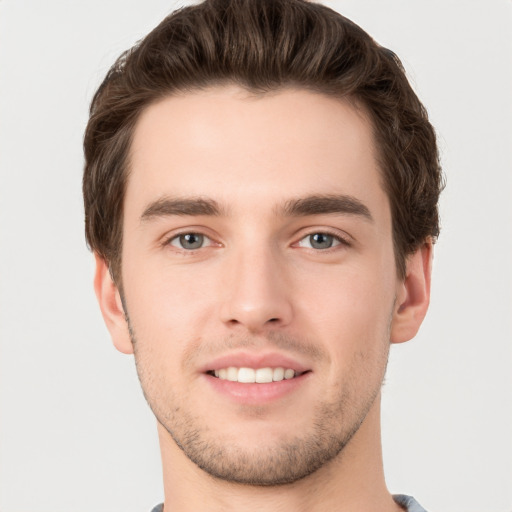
pixel 256 294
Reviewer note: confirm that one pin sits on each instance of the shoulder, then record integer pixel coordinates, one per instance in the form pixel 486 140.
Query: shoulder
pixel 408 502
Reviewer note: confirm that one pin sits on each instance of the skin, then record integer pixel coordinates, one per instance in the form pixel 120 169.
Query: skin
pixel 256 287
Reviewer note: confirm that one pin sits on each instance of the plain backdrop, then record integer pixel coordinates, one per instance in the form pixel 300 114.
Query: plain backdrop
pixel 75 432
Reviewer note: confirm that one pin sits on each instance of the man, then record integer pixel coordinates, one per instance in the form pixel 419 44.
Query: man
pixel 261 188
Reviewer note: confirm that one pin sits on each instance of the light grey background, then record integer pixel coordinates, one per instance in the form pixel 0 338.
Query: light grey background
pixel 75 432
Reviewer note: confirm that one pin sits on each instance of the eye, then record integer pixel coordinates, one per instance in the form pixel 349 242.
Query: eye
pixel 320 241
pixel 190 241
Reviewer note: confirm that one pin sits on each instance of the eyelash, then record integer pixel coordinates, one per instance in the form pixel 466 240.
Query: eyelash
pixel 341 241
pixel 168 241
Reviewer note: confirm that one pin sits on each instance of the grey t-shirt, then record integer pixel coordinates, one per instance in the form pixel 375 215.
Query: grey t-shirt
pixel 408 502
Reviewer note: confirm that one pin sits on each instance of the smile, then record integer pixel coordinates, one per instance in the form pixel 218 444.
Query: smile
pixel 254 375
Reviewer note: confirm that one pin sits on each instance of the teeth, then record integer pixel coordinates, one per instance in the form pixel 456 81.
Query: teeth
pixel 246 375
pixel 232 374
pixel 278 374
pixel 289 374
pixel 251 375
pixel 264 375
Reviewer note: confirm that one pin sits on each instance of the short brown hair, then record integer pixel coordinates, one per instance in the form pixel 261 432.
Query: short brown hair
pixel 262 46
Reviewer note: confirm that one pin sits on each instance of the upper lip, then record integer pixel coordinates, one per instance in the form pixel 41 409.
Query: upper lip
pixel 243 359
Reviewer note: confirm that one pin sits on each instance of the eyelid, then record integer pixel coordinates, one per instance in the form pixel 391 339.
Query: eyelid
pixel 342 238
pixel 189 230
pixel 207 241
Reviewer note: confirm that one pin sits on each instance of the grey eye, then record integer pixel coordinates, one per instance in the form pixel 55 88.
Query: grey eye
pixel 321 241
pixel 188 241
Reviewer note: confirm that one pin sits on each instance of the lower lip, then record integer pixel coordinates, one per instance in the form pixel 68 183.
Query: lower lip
pixel 256 393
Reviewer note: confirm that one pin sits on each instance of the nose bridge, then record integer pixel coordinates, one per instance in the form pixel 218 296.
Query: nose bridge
pixel 256 295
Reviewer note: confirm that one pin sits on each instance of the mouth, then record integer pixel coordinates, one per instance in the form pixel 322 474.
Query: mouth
pixel 256 378
pixel 264 375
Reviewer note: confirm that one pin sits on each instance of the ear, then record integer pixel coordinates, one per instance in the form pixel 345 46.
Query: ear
pixel 413 295
pixel 111 307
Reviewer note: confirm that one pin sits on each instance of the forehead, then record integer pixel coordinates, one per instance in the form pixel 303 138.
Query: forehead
pixel 236 147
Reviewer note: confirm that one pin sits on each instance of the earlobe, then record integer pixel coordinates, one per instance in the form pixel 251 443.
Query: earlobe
pixel 111 306
pixel 413 295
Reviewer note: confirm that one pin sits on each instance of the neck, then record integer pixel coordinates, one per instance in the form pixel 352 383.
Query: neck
pixel 353 481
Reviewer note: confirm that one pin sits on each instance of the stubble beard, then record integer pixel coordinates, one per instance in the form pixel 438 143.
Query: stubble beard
pixel 285 462
pixel 288 460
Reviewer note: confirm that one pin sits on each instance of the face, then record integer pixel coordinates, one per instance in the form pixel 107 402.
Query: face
pixel 258 277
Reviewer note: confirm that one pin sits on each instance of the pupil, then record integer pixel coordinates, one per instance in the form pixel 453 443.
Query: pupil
pixel 321 241
pixel 191 241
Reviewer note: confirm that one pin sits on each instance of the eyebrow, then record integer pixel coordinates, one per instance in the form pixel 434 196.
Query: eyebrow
pixel 192 206
pixel 326 204
pixel 300 207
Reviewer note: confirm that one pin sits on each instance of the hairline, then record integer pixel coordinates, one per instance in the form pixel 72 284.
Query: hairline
pixel 357 104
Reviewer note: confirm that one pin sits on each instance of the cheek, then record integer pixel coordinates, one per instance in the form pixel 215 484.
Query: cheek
pixel 168 302
pixel 350 311
pixel 347 298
